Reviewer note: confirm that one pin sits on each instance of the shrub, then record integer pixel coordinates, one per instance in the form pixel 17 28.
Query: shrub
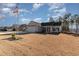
pixel 13 36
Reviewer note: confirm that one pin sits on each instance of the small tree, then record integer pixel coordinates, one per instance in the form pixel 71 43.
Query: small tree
pixel 13 36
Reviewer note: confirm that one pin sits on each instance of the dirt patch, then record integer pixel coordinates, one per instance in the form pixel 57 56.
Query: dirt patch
pixel 40 45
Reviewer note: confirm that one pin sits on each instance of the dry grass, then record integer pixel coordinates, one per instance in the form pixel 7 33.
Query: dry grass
pixel 40 44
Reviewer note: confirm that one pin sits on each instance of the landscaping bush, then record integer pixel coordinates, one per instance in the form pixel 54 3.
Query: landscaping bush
pixel 13 36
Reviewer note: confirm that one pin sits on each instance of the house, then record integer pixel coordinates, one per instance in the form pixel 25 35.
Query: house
pixel 46 27
pixel 8 28
pixel 33 27
pixel 22 27
pixel 1 28
pixel 51 27
pixel 15 27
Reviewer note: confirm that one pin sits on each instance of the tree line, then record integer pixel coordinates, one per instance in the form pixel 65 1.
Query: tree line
pixel 67 20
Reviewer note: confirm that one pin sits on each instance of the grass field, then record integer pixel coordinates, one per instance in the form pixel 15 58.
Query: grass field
pixel 40 45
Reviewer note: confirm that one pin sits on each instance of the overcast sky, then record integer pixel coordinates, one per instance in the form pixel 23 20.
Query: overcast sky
pixel 34 12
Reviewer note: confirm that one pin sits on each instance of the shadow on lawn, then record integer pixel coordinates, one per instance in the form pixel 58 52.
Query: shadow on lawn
pixel 11 39
pixel 76 35
pixel 73 34
pixel 49 33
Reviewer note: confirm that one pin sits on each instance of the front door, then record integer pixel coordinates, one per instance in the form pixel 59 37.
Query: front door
pixel 55 30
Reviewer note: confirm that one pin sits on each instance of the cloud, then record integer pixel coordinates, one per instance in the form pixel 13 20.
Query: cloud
pixel 60 10
pixel 24 10
pixel 53 6
pixel 37 5
pixel 9 11
pixel 27 20
pixel 38 20
pixel 57 9
pixel 9 4
pixel 6 10
pixel 24 20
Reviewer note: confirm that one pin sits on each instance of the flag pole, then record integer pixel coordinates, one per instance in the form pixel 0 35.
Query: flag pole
pixel 15 11
pixel 17 15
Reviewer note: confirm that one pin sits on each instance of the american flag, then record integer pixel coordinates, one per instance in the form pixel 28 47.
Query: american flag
pixel 16 10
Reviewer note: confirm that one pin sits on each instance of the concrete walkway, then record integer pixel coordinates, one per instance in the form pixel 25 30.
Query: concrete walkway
pixel 7 33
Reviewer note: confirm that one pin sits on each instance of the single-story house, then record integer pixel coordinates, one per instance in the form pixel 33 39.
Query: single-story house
pixel 15 27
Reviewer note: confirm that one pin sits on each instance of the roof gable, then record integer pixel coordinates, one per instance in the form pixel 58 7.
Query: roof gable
pixel 32 23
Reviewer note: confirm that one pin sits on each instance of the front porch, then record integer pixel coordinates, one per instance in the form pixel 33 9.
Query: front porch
pixel 52 29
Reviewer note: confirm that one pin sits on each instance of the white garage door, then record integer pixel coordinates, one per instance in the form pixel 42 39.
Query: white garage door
pixel 32 29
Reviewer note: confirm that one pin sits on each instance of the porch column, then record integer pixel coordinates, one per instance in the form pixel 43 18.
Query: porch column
pixel 51 30
pixel 46 29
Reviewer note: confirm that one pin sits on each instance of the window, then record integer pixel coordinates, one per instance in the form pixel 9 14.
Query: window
pixel 54 29
pixel 48 29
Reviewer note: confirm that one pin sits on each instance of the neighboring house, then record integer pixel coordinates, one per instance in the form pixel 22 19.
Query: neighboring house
pixel 8 28
pixel 33 27
pixel 22 27
pixel 51 27
pixel 15 27
pixel 2 29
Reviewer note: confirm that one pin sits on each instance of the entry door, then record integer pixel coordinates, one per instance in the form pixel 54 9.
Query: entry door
pixel 55 29
pixel 48 30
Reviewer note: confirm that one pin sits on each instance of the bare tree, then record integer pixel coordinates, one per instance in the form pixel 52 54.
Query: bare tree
pixel 66 21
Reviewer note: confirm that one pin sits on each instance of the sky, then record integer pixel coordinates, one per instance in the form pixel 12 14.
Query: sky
pixel 39 12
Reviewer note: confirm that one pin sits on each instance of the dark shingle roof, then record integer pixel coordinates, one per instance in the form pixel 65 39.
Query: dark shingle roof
pixel 51 24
